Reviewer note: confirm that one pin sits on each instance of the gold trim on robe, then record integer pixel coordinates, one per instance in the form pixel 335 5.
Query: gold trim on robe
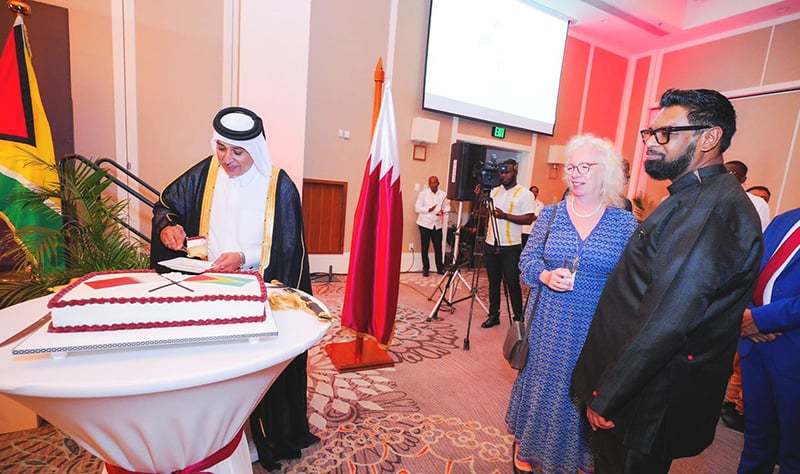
pixel 269 213
pixel 269 220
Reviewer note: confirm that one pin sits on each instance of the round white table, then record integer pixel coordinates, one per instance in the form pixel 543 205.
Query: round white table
pixel 154 409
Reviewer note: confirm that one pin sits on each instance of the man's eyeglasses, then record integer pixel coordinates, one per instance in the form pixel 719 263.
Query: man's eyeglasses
pixel 582 168
pixel 662 133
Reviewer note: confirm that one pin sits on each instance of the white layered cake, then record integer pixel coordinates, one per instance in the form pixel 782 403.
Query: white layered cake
pixel 138 299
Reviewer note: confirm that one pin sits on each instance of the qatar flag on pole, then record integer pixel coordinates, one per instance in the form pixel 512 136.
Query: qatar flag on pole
pixel 373 276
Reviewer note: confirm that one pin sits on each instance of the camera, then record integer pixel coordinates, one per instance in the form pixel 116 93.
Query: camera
pixel 488 173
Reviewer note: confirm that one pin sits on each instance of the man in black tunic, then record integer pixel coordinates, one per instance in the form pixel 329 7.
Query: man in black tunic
pixel 653 369
pixel 250 214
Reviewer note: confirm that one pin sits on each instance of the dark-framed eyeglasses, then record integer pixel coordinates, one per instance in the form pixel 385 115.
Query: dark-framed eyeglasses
pixel 662 133
pixel 582 168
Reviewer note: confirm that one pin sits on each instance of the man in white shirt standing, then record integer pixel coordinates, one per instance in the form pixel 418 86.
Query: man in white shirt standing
pixel 760 191
pixel 431 204
pixel 538 205
pixel 513 208
pixel 739 169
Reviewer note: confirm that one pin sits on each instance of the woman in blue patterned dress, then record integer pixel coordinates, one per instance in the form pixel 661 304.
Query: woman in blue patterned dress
pixel 591 227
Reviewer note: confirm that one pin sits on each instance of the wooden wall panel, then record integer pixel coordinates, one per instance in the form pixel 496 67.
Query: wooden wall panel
pixel 324 209
pixel 727 64
pixel 764 140
pixel 570 98
pixel 169 54
pixel 570 92
pixel 604 96
pixel 790 192
pixel 634 122
pixel 783 64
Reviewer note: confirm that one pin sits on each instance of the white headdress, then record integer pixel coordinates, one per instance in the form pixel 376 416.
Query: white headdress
pixel 241 127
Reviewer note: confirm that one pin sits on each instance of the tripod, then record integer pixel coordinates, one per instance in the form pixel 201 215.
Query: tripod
pixel 452 275
pixel 486 205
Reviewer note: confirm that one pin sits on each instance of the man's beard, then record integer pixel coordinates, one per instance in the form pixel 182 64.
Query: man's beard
pixel 662 169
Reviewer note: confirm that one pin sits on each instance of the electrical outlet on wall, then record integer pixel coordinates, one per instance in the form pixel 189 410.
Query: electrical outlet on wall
pixel 411 247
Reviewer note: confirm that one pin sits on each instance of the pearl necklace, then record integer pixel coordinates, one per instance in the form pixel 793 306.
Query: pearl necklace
pixel 577 214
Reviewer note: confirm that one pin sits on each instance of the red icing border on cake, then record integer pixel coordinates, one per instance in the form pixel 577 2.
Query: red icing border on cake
pixel 57 302
pixel 153 325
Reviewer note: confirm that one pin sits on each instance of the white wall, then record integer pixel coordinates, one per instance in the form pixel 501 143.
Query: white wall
pixel 273 75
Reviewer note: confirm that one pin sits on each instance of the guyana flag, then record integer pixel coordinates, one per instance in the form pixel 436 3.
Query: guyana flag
pixel 25 139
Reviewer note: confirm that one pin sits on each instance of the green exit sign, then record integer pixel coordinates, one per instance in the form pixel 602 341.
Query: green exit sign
pixel 498 132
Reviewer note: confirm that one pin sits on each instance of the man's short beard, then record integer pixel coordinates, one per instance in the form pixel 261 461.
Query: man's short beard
pixel 662 169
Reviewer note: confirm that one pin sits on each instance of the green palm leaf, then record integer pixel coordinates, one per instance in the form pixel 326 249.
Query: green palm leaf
pixel 90 237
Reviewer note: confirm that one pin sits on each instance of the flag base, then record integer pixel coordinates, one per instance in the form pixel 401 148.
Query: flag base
pixel 360 354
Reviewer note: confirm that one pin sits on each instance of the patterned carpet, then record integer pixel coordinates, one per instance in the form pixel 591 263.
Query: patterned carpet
pixel 378 421
pixel 440 409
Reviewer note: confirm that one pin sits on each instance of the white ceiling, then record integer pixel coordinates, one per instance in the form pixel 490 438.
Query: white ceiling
pixel 632 27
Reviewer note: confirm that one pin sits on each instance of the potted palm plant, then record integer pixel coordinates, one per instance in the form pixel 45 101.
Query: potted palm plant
pixel 89 238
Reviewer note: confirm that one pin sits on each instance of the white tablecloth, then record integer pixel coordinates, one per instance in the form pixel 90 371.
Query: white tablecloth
pixel 153 409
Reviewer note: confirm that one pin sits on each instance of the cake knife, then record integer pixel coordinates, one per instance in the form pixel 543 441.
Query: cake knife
pixel 27 330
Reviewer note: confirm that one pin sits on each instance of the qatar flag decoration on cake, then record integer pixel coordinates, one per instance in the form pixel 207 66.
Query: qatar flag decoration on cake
pixel 373 276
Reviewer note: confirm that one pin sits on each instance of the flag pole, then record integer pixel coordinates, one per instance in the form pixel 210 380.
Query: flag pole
pixel 377 95
pixel 363 354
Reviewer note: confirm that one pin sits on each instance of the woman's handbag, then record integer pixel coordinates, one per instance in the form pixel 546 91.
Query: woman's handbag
pixel 515 346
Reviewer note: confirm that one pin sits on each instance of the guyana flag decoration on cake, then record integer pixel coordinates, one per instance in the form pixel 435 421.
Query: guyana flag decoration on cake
pixel 25 139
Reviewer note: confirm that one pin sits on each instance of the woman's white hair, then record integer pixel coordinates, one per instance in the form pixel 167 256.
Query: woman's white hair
pixel 613 177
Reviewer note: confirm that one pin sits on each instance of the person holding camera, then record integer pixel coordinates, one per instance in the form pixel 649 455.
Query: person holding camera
pixel 512 207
